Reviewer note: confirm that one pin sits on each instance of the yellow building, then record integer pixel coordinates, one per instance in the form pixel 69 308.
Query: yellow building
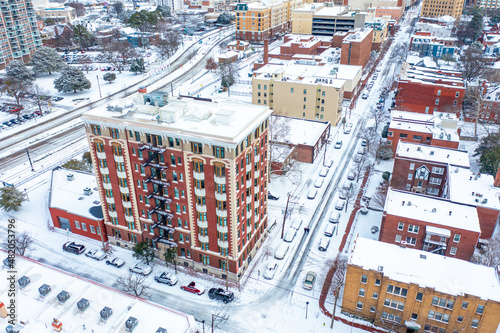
pixel 380 30
pixel 438 8
pixel 256 21
pixel 407 290
pixel 302 91
pixel 302 18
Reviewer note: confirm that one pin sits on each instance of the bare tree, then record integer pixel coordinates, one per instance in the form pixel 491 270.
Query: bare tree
pixel 339 264
pixel 23 243
pixel 378 199
pixel 472 63
pixel 211 64
pixel 120 54
pixel 349 192
pixel 279 133
pixel 360 163
pixel 134 284
pixel 267 250
pixel 378 115
pixel 372 140
pixel 86 63
pixel 39 97
pixel 475 105
pixel 491 255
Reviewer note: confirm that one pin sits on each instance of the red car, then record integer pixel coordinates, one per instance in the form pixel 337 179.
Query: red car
pixel 193 288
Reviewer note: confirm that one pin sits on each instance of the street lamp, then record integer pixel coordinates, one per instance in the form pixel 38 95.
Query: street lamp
pixel 307 304
pixel 100 95
pixel 203 322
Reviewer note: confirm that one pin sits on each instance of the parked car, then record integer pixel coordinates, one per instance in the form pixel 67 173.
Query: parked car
pixel 338 144
pixel 328 163
pixel 319 182
pixel 357 158
pixel 117 262
pixel 339 205
pixel 96 254
pixel 166 278
pixel 281 251
pixel 348 128
pixel 364 96
pixel 73 247
pixel 309 281
pixel 296 223
pixel 141 268
pixel 220 294
pixel 290 235
pixel 271 269
pixel 334 217
pixel 193 288
pixel 272 196
pixel 312 193
pixel 323 244
pixel 362 150
pixel 351 175
pixel 8 263
pixel 330 230
pixel 324 172
pixel 364 143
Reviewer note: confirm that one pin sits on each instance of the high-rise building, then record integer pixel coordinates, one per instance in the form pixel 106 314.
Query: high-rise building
pixel 186 174
pixel 19 35
pixel 438 8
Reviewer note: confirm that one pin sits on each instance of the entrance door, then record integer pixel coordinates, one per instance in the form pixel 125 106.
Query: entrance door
pixel 64 223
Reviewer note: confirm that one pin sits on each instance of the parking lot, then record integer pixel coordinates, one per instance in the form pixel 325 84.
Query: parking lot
pixel 9 112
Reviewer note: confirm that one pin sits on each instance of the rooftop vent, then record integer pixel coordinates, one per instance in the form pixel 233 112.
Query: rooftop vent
pixel 161 330
pixel 44 290
pixel 409 203
pixel 419 149
pixel 449 213
pixel 380 268
pixel 433 210
pixel 423 256
pixel 96 202
pixel 24 281
pixel 87 191
pixel 432 152
pixel 63 296
pixel 131 324
pixel 70 177
pixel 82 305
pixel 106 313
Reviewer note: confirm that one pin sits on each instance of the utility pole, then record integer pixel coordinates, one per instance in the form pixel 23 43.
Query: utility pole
pixel 227 273
pixel 335 304
pixel 284 216
pixel 29 158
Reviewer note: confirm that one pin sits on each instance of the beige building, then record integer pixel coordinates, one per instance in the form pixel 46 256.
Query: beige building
pixel 438 8
pixel 365 4
pixel 303 90
pixel 302 18
pixel 58 14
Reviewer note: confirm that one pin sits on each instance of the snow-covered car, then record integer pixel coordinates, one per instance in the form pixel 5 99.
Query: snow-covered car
pixel 319 182
pixel 338 144
pixel 117 262
pixel 324 172
pixel 296 223
pixel 334 217
pixel 141 268
pixel 272 195
pixel 328 163
pixel 290 235
pixel 323 244
pixel 364 96
pixel 166 278
pixel 364 143
pixel 309 281
pixel 351 175
pixel 271 269
pixel 281 251
pixel 339 205
pixel 74 248
pixel 96 254
pixel 357 158
pixel 362 150
pixel 225 296
pixel 193 288
pixel 312 193
pixel 347 128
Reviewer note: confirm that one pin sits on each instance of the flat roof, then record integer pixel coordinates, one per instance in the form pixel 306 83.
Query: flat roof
pixel 357 35
pixel 426 123
pixel 447 275
pixel 299 131
pixel 332 11
pixel 39 312
pixel 68 195
pixel 431 209
pixel 472 188
pixel 433 154
pixel 427 75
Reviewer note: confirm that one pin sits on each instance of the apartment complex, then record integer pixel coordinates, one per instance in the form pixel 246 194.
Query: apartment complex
pixel 380 29
pixel 489 105
pixel 407 290
pixel 186 174
pixel 356 47
pixel 19 35
pixel 430 224
pixel 438 8
pixel 306 91
pixel 258 21
pixel 427 90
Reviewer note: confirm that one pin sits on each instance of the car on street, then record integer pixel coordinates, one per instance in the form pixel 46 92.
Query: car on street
pixel 362 151
pixel 338 144
pixel 74 248
pixel 271 269
pixel 328 163
pixel 364 96
pixel 323 244
pixel 117 262
pixel 334 217
pixel 309 280
pixel 364 143
pixel 193 288
pixel 296 223
pixel 8 263
pixel 339 205
pixel 290 235
pixel 319 182
pixel 141 268
pixel 272 196
pixel 281 251
pixel 166 278
pixel 329 230
pixel 312 193
pixel 96 254
pixel 324 172
pixel 351 175
pixel 358 158
pixel 348 128
pixel 220 294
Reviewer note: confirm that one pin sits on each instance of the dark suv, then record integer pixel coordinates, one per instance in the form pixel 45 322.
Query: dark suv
pixel 221 294
pixel 74 248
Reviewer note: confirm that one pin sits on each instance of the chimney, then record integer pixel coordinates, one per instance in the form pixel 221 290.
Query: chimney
pixel 266 51
pixel 496 183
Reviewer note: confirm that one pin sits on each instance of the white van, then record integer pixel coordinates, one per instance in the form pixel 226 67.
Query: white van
pixel 281 251
pixel 334 217
pixel 323 244
pixel 290 235
pixel 296 223
pixel 330 230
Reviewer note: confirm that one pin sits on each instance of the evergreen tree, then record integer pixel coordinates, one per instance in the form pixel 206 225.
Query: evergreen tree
pixel 82 36
pixel 71 79
pixel 137 66
pixel 488 151
pixel 11 198
pixel 118 7
pixel 171 256
pixel 143 252
pixel 77 165
pixel 46 60
pixel 109 77
pixel 18 79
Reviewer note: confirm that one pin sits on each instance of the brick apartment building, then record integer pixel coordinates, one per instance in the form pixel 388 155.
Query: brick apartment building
pixel 301 45
pixel 440 129
pixel 186 174
pixel 74 204
pixel 407 290
pixel 424 169
pixel 489 106
pixel 438 8
pixel 427 90
pixel 357 47
pixel 430 224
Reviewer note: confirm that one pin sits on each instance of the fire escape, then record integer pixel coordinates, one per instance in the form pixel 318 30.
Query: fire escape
pixel 161 217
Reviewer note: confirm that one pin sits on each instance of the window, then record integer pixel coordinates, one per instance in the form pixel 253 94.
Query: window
pixel 398 239
pixel 197 148
pixel 438 170
pixel 432 191
pixel 364 278
pixel 413 228
pixel 291 90
pixel 465 305
pixel 457 94
pixel 460 319
pixel 96 129
pixel 417 137
pixel 394 304
pixel 442 302
pixel 361 292
pixel 375 295
pixel 403 135
pixel 414 316
pixel 372 308
pixel 377 282
pixel 401 225
pixel 305 91
pixel 438 316
pixel 92 229
pixel 84 227
pixel 435 181
pixel 475 323
pixel 437 101
pixel 412 166
pixel 453 250
pixel 411 241
pixel 219 152
pixel 480 309
pixel 77 224
pixel 117 150
pixel 419 297
pixel 359 305
pixel 456 238
pixel 391 317
pixel 114 133
pixel 439 93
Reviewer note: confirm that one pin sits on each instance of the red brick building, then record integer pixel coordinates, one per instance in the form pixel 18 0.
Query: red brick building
pixel 489 106
pixel 74 204
pixel 440 129
pixel 426 90
pixel 301 45
pixel 187 174
pixel 424 169
pixel 357 47
pixel 430 224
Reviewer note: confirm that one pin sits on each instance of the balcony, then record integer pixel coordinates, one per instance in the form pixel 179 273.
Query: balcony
pixel 256 189
pixel 104 171
pixel 199 192
pixel 164 240
pixel 220 196
pixel 248 168
pixel 159 197
pixel 222 228
pixel 101 155
pixel 118 159
pixel 124 189
pixel 165 214
pixel 256 218
pixel 129 218
pixel 159 150
pixel 127 204
pixel 203 239
pixel 107 186
pixel 113 214
pixel 220 213
pixel 198 175
pixel 156 181
pixel 256 158
pixel 121 174
pixel 201 208
pixel 222 243
pixel 219 180
pixel 202 224
pixel 249 183
pixel 249 199
pixel 110 200
pixel 256 174
pixel 165 228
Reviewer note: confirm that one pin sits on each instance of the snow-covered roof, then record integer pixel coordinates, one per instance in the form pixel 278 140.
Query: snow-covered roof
pixel 425 75
pixel 332 11
pixel 225 123
pixel 472 188
pixel 39 312
pixel 69 195
pixel 433 154
pixel 447 275
pixel 228 55
pixel 431 209
pixel 492 94
pixel 299 131
pixel 442 126
pixel 358 35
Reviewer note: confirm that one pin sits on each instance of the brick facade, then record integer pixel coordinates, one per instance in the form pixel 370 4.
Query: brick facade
pixel 357 52
pixel 79 225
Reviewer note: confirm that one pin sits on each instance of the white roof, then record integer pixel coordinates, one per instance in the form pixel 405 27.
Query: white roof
pixel 470 188
pixel 39 312
pixel 358 35
pixel 431 76
pixel 447 275
pixel 427 123
pixel 331 11
pixel 432 210
pixel 68 194
pixel 433 154
pixel 228 55
pixel 300 131
pixel 438 231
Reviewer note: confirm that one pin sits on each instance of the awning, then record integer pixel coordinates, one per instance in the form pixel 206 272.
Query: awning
pixel 438 231
pixel 412 324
